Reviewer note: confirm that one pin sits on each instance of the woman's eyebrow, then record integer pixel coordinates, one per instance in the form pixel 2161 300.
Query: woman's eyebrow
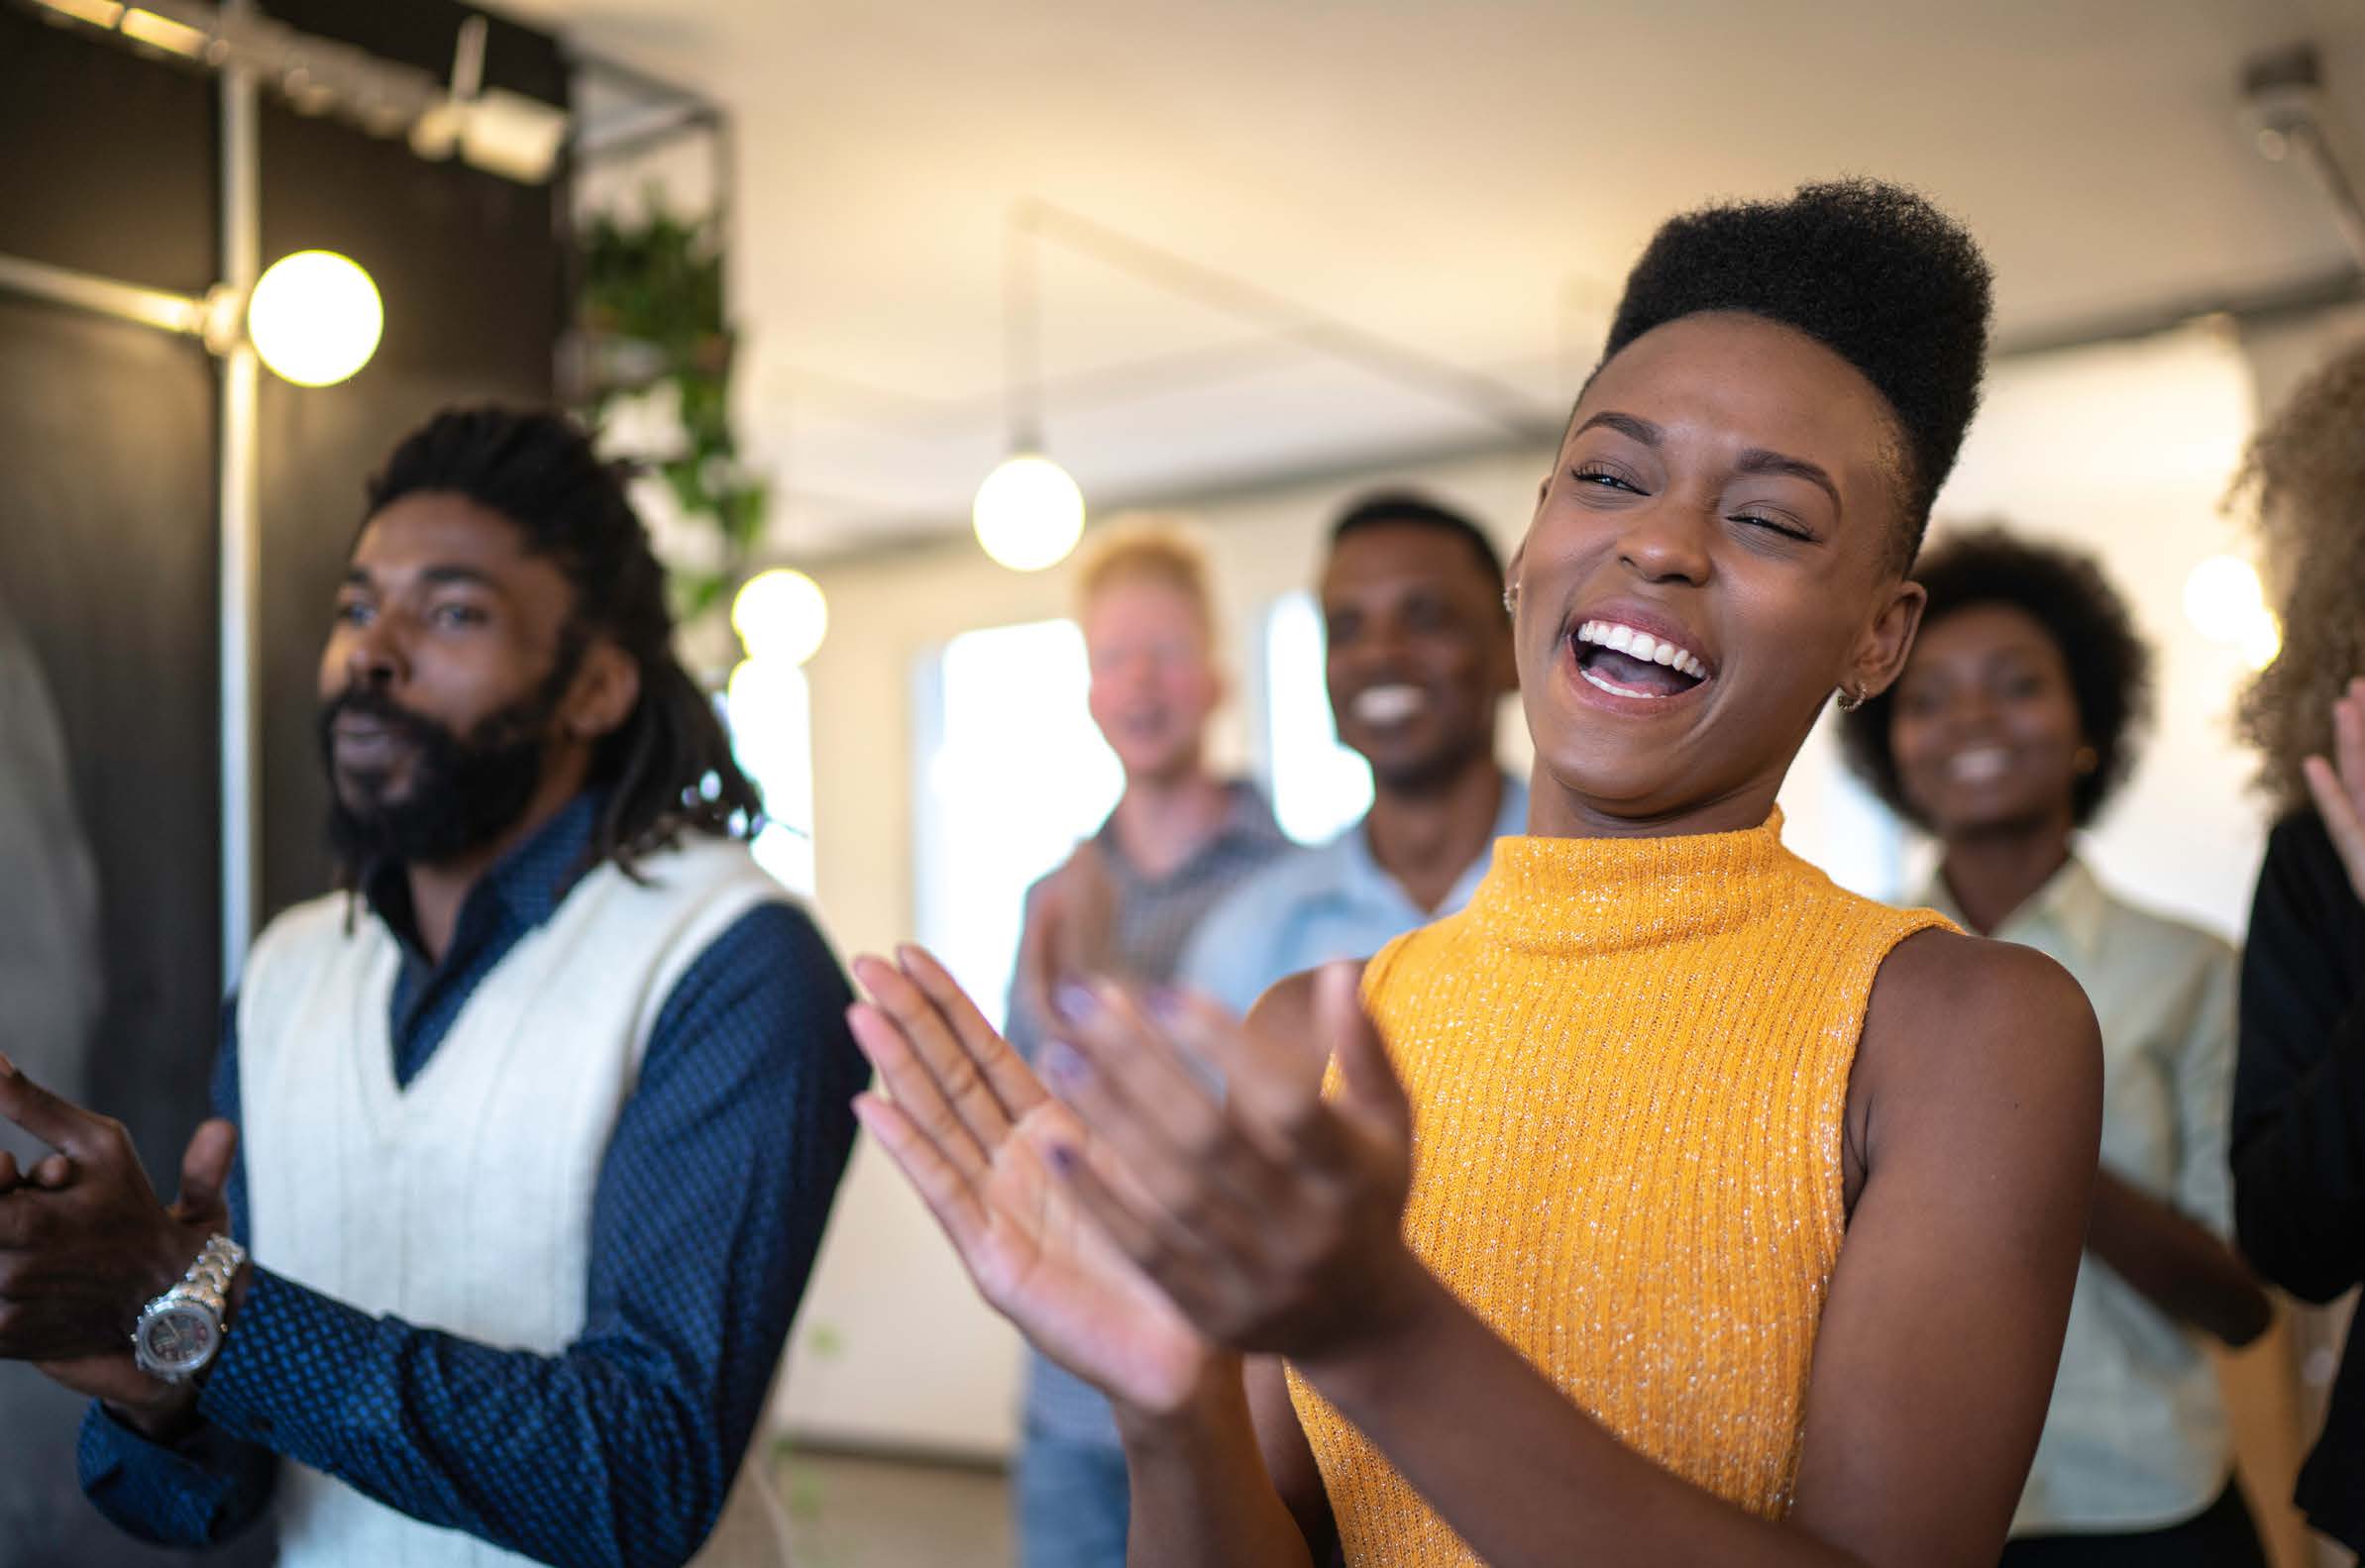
pixel 1641 430
pixel 1756 460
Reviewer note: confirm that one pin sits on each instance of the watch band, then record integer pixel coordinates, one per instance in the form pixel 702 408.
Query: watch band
pixel 208 1279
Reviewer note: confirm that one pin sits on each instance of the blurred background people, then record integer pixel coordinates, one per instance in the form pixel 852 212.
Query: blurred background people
pixel 50 969
pixel 1126 901
pixel 50 991
pixel 2018 714
pixel 1417 662
pixel 2298 1110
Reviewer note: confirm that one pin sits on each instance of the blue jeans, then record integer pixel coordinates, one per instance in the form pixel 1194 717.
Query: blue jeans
pixel 1072 1502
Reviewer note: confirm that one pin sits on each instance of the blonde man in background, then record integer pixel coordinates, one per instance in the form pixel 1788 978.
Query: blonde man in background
pixel 1128 901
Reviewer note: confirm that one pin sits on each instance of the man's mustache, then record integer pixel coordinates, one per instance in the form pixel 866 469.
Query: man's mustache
pixel 363 702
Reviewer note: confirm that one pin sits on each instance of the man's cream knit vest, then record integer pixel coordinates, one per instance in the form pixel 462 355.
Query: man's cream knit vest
pixel 462 1201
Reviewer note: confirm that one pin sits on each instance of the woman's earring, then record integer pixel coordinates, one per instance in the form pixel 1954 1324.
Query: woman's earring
pixel 1510 598
pixel 1850 701
pixel 2087 761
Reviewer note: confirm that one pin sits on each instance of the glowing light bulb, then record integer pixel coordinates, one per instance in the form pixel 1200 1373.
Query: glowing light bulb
pixel 2262 639
pixel 1028 513
pixel 781 615
pixel 2222 599
pixel 315 318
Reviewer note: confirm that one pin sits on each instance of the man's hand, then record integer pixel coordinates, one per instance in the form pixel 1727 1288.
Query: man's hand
pixel 80 1256
pixel 52 1172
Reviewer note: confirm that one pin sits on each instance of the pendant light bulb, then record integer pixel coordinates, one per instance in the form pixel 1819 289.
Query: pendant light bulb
pixel 781 616
pixel 1028 513
pixel 315 318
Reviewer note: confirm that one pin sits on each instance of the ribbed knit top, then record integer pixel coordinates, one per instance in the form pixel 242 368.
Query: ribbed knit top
pixel 1628 1062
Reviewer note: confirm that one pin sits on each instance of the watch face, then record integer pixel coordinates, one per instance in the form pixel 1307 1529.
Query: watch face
pixel 179 1339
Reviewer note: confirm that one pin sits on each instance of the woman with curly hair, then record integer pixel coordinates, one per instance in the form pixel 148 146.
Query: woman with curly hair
pixel 2016 716
pixel 2299 1103
pixel 1669 1204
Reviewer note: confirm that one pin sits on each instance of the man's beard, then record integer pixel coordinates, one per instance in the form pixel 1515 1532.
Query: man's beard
pixel 465 791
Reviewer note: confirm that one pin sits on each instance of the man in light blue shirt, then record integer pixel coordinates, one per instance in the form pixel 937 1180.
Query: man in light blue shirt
pixel 1419 660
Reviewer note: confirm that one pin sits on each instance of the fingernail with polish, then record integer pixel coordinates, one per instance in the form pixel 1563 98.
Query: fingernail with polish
pixel 1075 1002
pixel 1165 1005
pixel 1064 1064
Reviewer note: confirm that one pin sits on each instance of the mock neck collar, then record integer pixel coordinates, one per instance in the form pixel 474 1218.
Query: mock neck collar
pixel 1577 896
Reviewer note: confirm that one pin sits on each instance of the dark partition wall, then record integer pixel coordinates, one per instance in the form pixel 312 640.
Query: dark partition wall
pixel 106 561
pixel 106 160
pixel 470 268
pixel 109 536
pixel 107 543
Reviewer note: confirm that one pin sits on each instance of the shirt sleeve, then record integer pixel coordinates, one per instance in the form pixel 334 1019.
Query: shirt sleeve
pixel 209 1487
pixel 2298 1112
pixel 2203 1077
pixel 1231 953
pixel 707 1214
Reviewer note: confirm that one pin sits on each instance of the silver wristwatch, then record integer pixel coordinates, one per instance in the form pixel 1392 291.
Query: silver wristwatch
pixel 181 1331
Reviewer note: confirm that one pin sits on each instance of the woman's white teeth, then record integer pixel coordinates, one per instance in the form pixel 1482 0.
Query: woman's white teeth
pixel 1389 704
pixel 1640 644
pixel 1979 767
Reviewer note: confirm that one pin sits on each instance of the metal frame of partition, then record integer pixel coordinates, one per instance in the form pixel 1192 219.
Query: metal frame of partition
pixel 212 319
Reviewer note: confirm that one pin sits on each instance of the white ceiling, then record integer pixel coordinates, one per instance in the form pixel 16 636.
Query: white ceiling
pixel 1465 179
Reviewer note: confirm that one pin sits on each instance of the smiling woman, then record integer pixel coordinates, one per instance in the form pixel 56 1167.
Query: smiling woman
pixel 1652 1282
pixel 2016 718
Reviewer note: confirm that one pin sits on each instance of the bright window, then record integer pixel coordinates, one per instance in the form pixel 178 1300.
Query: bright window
pixel 770 710
pixel 1320 787
pixel 1013 773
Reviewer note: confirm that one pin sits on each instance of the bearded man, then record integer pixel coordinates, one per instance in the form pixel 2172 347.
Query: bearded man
pixel 525 1137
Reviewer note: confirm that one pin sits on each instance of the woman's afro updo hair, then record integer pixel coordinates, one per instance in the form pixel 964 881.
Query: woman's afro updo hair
pixel 1874 272
pixel 2064 591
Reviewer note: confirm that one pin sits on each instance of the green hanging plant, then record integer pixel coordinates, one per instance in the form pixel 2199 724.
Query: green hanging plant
pixel 650 314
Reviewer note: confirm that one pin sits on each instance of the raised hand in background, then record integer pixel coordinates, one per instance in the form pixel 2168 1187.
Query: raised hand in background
pixel 2337 783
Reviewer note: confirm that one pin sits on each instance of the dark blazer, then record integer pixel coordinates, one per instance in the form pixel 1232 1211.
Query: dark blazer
pixel 2299 1127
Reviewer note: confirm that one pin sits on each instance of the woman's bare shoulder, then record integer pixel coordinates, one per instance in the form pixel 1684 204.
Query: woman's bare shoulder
pixel 1954 1015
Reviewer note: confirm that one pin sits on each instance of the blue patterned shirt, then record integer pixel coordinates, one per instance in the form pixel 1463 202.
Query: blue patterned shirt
pixel 709 1207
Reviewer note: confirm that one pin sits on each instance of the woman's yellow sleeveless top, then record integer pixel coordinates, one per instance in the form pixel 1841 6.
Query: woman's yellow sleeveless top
pixel 1628 1062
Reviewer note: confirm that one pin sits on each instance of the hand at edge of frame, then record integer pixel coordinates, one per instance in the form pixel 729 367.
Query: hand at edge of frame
pixel 2337 783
